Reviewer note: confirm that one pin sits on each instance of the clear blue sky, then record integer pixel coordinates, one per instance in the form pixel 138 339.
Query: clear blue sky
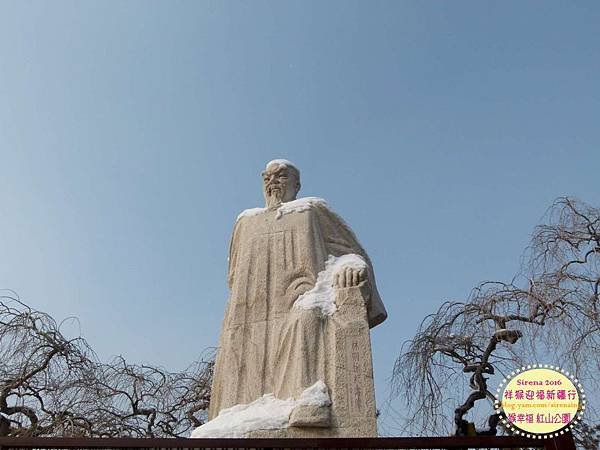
pixel 133 133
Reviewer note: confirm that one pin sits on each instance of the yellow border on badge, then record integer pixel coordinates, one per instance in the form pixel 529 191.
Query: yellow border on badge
pixel 533 390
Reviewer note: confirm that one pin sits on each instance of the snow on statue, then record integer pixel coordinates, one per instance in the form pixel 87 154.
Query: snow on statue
pixel 303 298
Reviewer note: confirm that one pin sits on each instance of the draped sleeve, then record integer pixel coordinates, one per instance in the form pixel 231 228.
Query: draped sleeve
pixel 233 253
pixel 340 240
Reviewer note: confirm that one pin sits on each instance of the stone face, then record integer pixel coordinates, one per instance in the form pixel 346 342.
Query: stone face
pixel 270 345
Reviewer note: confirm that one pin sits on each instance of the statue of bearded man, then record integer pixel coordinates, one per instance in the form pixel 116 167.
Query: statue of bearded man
pixel 287 262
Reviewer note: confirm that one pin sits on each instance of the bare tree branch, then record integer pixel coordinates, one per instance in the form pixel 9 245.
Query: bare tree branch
pixel 551 308
pixel 54 386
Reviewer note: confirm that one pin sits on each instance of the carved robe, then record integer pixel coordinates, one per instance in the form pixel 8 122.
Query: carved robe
pixel 266 346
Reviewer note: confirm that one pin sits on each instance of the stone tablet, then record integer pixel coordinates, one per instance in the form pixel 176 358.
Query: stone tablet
pixel 294 356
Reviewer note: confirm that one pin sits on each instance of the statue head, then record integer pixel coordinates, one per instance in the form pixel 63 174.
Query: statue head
pixel 281 182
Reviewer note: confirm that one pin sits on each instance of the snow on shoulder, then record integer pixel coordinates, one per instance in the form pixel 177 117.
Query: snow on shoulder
pixel 322 296
pixel 302 204
pixel 299 205
pixel 250 212
pixel 265 413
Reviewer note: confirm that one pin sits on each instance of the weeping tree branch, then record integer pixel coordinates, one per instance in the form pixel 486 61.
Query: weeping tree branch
pixel 51 385
pixel 553 305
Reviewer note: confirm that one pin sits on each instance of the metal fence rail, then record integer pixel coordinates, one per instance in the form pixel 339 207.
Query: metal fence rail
pixel 564 442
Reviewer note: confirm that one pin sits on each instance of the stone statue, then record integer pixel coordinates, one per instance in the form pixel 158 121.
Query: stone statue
pixel 294 356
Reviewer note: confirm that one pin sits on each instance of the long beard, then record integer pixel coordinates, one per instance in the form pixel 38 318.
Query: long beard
pixel 274 198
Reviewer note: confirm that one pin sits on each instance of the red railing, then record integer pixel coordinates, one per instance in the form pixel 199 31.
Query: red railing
pixel 564 442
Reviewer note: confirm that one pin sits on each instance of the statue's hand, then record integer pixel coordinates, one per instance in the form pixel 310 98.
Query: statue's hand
pixel 349 277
